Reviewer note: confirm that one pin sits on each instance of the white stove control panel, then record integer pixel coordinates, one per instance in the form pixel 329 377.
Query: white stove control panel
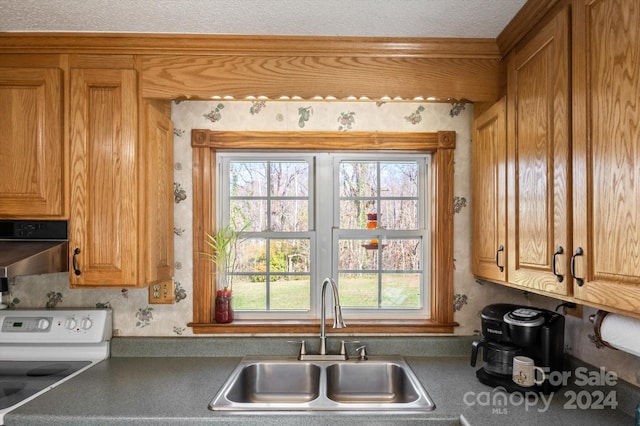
pixel 55 326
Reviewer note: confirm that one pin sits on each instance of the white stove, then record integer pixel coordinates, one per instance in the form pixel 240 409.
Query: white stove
pixel 39 349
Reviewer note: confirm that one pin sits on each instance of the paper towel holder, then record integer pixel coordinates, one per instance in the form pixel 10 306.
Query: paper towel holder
pixel 596 319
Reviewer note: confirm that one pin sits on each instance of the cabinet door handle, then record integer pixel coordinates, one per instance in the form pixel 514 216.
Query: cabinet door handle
pixel 559 250
pixel 76 269
pixel 579 252
pixel 501 248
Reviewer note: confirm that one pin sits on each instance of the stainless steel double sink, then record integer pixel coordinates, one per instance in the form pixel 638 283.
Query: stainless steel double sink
pixel 287 384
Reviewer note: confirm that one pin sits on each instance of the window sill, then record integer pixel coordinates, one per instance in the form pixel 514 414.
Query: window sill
pixel 313 327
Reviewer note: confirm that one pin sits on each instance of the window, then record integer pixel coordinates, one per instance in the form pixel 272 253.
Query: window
pixel 372 207
pixel 381 235
pixel 270 198
pixel 311 194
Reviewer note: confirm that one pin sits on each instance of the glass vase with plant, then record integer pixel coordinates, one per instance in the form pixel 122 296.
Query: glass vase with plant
pixel 223 245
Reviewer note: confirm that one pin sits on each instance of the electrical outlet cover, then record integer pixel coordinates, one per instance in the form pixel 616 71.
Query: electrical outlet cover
pixel 162 293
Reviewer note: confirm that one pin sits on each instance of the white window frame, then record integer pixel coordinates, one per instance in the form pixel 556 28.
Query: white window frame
pixel 423 232
pixel 323 229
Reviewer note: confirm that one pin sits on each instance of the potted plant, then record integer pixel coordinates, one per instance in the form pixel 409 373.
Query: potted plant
pixel 223 256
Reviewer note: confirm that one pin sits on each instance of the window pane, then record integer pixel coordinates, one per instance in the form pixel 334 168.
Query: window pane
pixel 251 256
pixel 291 293
pixel 401 255
pixel 399 179
pixel 289 256
pixel 280 283
pixel 284 208
pixel 249 215
pixel 380 274
pixel 250 293
pixel 290 215
pixel 388 189
pixel 353 213
pixel 358 290
pixel 358 179
pixel 270 293
pixel 355 256
pixel 398 291
pixel 247 179
pixel 289 179
pixel 398 214
pixel 401 291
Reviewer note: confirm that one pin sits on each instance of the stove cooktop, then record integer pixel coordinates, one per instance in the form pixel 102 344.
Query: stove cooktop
pixel 40 349
pixel 20 380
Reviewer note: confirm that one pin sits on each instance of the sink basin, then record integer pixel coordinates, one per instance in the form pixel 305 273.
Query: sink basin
pixel 376 382
pixel 268 382
pixel 274 384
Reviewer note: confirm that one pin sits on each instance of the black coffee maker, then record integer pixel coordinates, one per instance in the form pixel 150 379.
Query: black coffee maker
pixel 513 330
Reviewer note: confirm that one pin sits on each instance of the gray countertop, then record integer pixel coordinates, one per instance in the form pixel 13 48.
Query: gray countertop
pixel 136 389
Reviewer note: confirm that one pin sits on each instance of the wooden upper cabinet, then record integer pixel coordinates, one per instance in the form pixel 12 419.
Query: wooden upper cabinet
pixel 32 150
pixel 121 225
pixel 606 152
pixel 489 162
pixel 104 177
pixel 538 152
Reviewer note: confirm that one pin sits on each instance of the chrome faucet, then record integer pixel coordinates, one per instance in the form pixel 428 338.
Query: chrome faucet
pixel 337 323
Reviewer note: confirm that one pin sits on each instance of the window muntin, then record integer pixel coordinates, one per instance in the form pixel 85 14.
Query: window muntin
pixel 273 195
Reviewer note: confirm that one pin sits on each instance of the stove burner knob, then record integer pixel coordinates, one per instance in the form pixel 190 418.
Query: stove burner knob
pixel 43 324
pixel 70 323
pixel 86 323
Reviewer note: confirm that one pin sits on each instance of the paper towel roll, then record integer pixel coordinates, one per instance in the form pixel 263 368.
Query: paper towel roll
pixel 620 332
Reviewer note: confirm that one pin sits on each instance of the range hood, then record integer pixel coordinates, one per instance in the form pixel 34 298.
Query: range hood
pixel 32 247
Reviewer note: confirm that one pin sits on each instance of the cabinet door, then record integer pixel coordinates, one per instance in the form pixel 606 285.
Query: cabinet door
pixel 538 160
pixel 606 151
pixel 489 157
pixel 32 147
pixel 157 147
pixel 104 184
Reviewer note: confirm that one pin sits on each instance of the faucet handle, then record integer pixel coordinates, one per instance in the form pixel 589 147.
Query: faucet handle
pixel 362 353
pixel 303 346
pixel 343 346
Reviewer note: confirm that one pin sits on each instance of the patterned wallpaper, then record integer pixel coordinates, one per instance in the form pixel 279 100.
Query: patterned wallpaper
pixel 134 316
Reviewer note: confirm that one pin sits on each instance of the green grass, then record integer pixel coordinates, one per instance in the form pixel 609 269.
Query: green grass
pixel 285 294
pixel 399 291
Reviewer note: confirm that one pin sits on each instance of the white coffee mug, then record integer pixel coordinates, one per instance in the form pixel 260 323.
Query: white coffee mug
pixel 524 372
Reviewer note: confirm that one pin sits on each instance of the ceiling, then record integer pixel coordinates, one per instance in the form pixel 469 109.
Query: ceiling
pixel 370 18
